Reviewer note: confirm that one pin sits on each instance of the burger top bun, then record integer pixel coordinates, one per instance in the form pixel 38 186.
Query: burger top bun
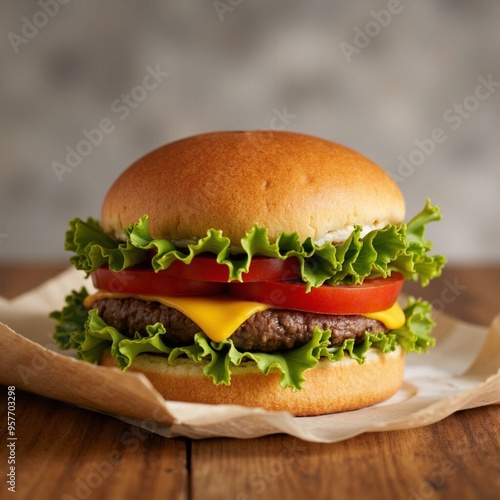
pixel 231 181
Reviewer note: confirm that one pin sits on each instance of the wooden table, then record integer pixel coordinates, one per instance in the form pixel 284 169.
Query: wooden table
pixel 66 452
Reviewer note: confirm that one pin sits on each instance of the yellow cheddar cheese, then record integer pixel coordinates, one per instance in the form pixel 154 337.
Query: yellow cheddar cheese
pixel 392 318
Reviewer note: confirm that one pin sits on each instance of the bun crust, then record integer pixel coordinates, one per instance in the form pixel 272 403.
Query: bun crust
pixel 233 180
pixel 329 387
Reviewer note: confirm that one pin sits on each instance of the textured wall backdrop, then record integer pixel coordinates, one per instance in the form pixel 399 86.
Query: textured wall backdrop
pixel 413 85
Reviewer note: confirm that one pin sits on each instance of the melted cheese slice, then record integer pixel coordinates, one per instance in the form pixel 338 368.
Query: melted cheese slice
pixel 392 318
pixel 219 316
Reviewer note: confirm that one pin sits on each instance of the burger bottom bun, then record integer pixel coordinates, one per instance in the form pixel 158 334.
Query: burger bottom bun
pixel 329 387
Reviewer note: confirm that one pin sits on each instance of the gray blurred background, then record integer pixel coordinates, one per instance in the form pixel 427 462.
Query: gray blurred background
pixel 413 85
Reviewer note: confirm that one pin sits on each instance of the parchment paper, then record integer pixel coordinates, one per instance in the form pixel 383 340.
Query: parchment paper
pixel 452 376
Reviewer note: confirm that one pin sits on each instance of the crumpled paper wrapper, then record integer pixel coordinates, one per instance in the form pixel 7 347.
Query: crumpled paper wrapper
pixel 453 376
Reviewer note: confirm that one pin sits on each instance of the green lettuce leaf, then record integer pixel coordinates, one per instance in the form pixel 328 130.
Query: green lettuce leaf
pixel 86 332
pixel 402 248
pixel 69 332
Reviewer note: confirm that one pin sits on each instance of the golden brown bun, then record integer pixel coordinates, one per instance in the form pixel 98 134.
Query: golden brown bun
pixel 329 387
pixel 233 180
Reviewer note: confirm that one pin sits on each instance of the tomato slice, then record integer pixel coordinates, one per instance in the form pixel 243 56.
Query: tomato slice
pixel 373 295
pixel 206 268
pixel 144 280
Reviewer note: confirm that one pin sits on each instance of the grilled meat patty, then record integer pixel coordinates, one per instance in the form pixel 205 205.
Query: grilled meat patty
pixel 266 331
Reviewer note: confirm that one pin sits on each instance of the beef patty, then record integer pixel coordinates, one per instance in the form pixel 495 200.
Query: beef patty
pixel 266 331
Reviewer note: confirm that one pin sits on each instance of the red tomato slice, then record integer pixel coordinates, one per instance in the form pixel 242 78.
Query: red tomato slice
pixel 206 268
pixel 144 280
pixel 371 296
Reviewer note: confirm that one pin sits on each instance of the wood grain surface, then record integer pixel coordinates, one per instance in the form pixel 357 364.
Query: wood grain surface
pixel 68 452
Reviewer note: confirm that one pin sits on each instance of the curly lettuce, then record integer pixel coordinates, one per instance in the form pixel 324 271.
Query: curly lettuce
pixel 90 336
pixel 400 248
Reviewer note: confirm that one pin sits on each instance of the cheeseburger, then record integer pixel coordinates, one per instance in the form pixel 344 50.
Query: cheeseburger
pixel 256 268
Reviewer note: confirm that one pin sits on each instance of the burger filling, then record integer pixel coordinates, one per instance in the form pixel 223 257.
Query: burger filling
pixel 283 304
pixel 265 331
